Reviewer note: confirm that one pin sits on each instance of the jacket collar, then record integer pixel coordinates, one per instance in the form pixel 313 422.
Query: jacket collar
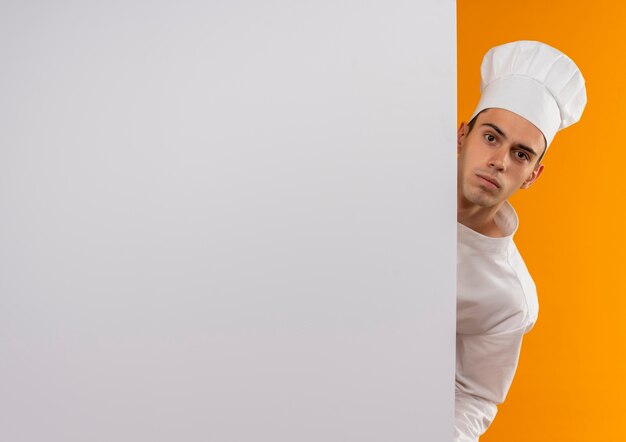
pixel 507 221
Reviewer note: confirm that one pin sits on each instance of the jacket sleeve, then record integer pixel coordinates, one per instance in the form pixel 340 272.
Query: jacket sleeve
pixel 485 367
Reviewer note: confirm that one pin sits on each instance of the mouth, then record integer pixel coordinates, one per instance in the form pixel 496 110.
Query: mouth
pixel 491 181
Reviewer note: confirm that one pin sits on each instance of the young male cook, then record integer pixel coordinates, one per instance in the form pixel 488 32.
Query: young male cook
pixel 529 91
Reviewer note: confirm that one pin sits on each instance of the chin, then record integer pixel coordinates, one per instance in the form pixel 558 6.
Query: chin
pixel 484 203
pixel 482 199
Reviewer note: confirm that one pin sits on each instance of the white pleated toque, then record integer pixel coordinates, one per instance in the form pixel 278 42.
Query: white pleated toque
pixel 536 81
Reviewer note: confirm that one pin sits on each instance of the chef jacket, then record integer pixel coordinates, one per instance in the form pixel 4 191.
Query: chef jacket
pixel 496 305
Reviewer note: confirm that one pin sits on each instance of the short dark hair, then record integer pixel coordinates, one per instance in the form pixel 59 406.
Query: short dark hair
pixel 473 122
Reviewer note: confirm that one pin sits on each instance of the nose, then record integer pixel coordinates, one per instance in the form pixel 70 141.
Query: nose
pixel 497 160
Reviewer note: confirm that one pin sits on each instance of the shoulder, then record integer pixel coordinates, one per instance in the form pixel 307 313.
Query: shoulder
pixel 495 292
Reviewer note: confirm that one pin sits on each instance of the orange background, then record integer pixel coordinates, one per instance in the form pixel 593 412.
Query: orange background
pixel 571 381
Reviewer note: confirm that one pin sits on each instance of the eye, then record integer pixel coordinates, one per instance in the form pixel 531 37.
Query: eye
pixel 491 138
pixel 521 155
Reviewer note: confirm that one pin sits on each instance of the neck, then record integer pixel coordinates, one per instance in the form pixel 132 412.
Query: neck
pixel 479 219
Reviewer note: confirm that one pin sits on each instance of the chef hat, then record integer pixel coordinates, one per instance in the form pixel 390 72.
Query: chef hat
pixel 535 81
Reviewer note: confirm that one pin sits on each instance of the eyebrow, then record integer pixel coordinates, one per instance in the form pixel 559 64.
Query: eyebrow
pixel 521 146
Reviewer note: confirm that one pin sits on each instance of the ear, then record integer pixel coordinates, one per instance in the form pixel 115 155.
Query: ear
pixel 460 136
pixel 532 177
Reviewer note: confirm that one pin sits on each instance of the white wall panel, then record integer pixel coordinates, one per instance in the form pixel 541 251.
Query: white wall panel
pixel 227 221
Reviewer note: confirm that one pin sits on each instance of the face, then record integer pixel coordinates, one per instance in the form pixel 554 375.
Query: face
pixel 497 157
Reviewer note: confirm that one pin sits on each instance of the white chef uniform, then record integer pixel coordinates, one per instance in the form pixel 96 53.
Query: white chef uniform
pixel 496 305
